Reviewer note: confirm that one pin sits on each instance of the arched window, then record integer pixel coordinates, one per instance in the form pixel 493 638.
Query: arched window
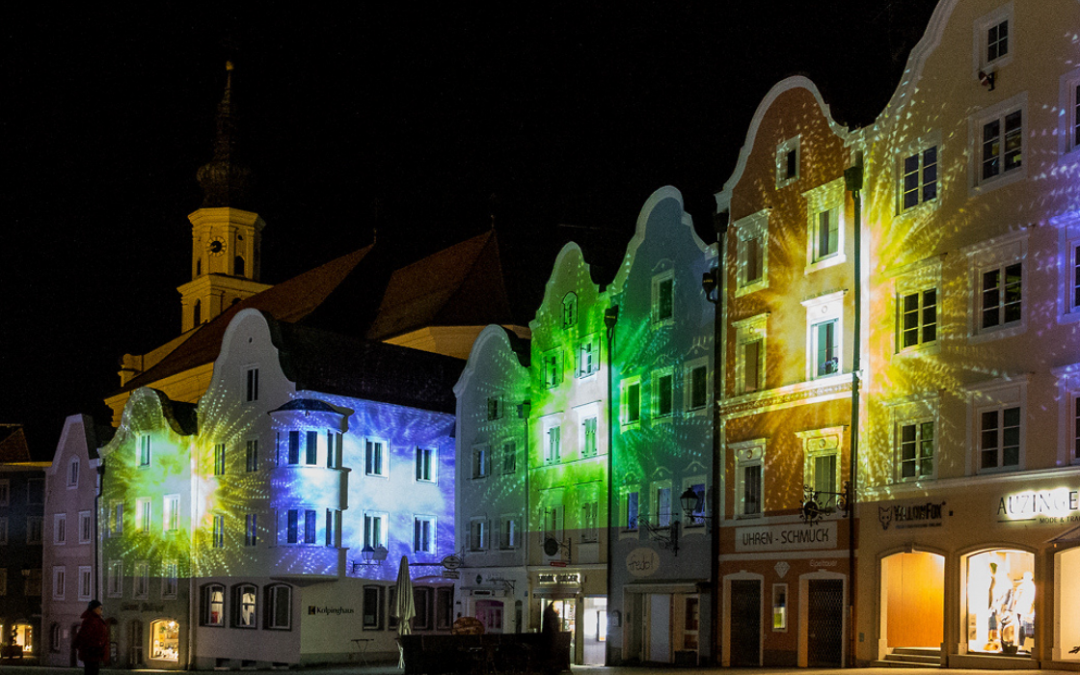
pixel 244 597
pixel 213 605
pixel 54 638
pixel 197 313
pixel 165 640
pixel 238 266
pixel 279 607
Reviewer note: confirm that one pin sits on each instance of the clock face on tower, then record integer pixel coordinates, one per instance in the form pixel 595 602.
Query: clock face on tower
pixel 216 246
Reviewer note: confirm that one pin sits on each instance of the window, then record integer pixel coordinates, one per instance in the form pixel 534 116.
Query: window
pixel 569 310
pixel 425 465
pixel 752 263
pixel 424 534
pixel 481 465
pixel 116 579
pixel 373 608
pixel 997 41
pixel 997 409
pixel 59 575
pixel 86 527
pixel 631 401
pixel 696 385
pixel 171 513
pixel 630 510
pixel 998 279
pixel 993 39
pixel 73 473
pixel 696 517
pixel 588 357
pixel 279 607
pixel 823 339
pixel 213 605
pixel 294 447
pixel 142 514
pixel 663 394
pixel 918 318
pixel 218 531
pixel 588 437
pixel 116 521
pixel 59 528
pixel 292 526
pixel 375 534
pixel 375 458
pixel 142 579
pixel 251 384
pixel 821 466
pixel 36 489
pixel 3 581
pixel 509 457
pixel 508 533
pixel 34 527
pixel 999 438
pixel 787 162
pixel 749 488
pixel 663 298
pixel 32 585
pixel 779 607
pixel 553 514
pixel 1069 120
pixel 1001 296
pixel 444 607
pixel 86 582
pixel 311 447
pixel 251 529
pixel 244 605
pixel 552 362
pixel 333 449
pixel 750 354
pixel 3 530
pixel 422 601
pixel 661 505
pixel 590 522
pixel 478 534
pixel 219 459
pixel 311 531
pixel 144 450
pixel 825 231
pixel 251 456
pixel 916 450
pixel 919 178
pixel 997 144
pixel 553 444
pixel 826 234
pixel 494 409
pixel 170 577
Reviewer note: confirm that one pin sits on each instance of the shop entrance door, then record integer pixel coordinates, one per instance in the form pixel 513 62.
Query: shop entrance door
pixel 745 648
pixel 595 631
pixel 660 627
pixel 913 599
pixel 825 628
pixel 490 613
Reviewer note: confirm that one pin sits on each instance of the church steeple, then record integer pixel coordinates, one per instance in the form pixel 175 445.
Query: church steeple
pixel 226 239
pixel 225 179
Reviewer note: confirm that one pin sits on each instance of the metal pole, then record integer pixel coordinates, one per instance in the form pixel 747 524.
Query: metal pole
pixel 853 177
pixel 720 222
pixel 611 318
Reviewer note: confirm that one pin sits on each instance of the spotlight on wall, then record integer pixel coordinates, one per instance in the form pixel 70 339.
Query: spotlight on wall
pixel 987 79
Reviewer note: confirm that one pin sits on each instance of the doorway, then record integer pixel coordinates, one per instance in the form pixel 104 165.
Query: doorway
pixel 913 600
pixel 745 647
pixel 594 631
pixel 825 627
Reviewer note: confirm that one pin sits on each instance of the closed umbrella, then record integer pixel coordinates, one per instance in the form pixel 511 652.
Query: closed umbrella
pixel 405 607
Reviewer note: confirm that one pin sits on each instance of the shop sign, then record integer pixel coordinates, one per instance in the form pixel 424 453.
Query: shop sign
pixel 568 578
pixel 642 562
pixel 908 516
pixel 793 537
pixel 1060 505
pixel 315 610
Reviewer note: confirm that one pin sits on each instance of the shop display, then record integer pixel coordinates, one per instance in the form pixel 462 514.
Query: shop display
pixel 1001 602
pixel 166 641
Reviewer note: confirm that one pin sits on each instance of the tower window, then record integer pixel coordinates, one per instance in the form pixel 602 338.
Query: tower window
pixel 238 266
pixel 197 314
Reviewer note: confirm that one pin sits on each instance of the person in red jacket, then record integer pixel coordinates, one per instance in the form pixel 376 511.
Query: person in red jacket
pixel 92 640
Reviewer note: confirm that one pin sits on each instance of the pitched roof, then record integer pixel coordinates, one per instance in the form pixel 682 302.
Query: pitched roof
pixel 463 285
pixel 13 446
pixel 294 300
pixel 330 363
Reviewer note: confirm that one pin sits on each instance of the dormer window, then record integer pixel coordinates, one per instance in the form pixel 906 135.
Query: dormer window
pixel 569 310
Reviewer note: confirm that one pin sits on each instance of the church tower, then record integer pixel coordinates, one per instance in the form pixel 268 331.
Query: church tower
pixel 225 239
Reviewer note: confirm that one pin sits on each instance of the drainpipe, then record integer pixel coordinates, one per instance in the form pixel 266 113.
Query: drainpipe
pixel 611 317
pixel 853 177
pixel 526 410
pixel 720 223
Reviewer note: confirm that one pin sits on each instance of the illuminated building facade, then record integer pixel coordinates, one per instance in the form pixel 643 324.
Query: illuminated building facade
pixel 970 460
pixel 785 409
pixel 492 512
pixel 70 540
pixel 264 526
pixel 22 508
pixel 661 400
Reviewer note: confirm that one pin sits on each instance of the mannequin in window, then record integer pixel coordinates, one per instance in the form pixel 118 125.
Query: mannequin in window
pixel 1023 607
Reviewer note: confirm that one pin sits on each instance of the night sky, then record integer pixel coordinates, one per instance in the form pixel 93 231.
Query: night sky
pixel 384 116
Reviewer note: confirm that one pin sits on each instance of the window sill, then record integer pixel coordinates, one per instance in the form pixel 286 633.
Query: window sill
pixel 925 349
pixel 662 419
pixel 992 334
pixel 824 263
pixel 663 323
pixel 747 289
pixel 991 184
pixel 920 210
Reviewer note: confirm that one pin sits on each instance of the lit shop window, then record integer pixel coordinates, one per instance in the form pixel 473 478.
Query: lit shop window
pixel 1001 602
pixel 165 640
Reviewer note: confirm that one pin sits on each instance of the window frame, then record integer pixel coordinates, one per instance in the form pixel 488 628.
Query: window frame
pixel 625 385
pixel 419 523
pixel 271 602
pixel 820 311
pixel 753 330
pixel 59 582
pixel 378 616
pixel 481 461
pixel 784 176
pixel 660 297
pixel 144 514
pixel 588 352
pixel 754 227
pixel 86 527
pixel 86 582
pixel 239 593
pixel 59 524
pixel 917 283
pixel 207 602
pixel 508 464
pixel 370 517
pixel 383 457
pixel 145 450
pixel 115 579
pixel 978 144
pixel 251 455
pixel 981 60
pixel 830 198
pixel 251 383
pixel 509 532
pixel 73 473
pixel 479 537
pixel 690 406
pixel 996 396
pixel 748 454
pixel 569 310
pixel 658 388
pixel 998 253
pixel 427 465
pixel 551 441
pixel 918 153
pixel 552 367
pixel 1069 121
pixel 823 442
pixel 140 579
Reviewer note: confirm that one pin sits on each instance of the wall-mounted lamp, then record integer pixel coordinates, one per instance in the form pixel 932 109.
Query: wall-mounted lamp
pixel 987 79
pixel 371 556
pixel 710 283
pixel 690 500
